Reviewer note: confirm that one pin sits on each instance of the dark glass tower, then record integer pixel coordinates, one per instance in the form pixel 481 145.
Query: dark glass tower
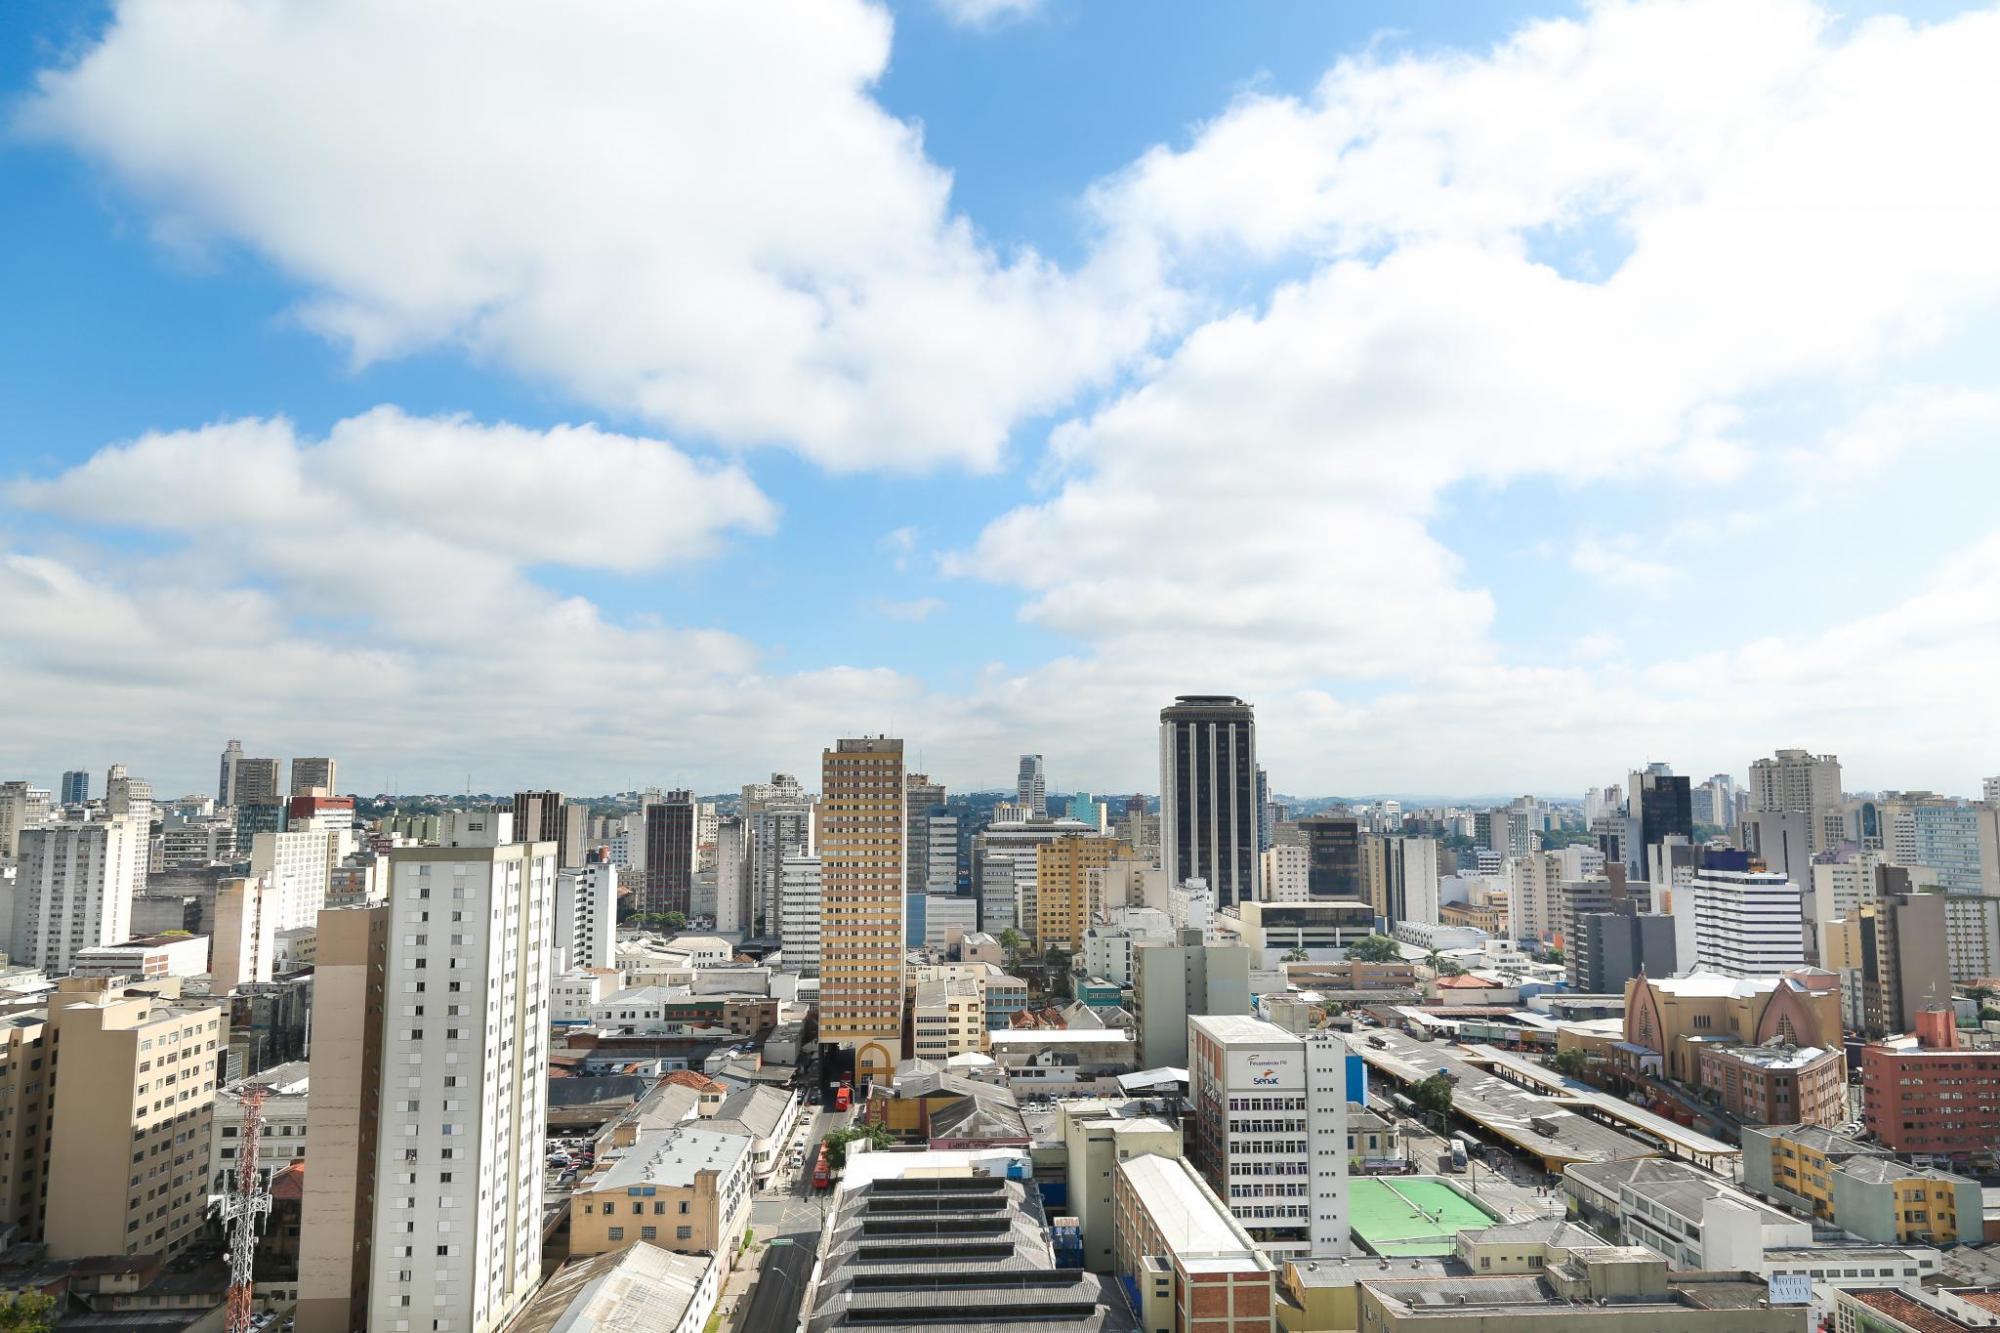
pixel 1208 794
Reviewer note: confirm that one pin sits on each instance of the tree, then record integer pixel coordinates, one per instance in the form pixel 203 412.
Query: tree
pixel 673 922
pixel 1011 941
pixel 1572 1062
pixel 1552 954
pixel 1433 1095
pixel 1295 955
pixel 1374 949
pixel 26 1311
pixel 875 1136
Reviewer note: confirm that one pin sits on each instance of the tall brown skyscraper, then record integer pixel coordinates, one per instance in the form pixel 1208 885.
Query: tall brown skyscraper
pixel 670 854
pixel 861 839
pixel 543 816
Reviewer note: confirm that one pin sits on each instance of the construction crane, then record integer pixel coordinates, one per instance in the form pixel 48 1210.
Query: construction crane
pixel 242 1211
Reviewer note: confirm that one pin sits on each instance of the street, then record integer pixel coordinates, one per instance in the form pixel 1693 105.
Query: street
pixel 769 1283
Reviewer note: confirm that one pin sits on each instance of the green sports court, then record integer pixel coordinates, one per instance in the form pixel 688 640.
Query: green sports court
pixel 1410 1216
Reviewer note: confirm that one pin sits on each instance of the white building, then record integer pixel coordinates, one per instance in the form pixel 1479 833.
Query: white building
pixel 1191 906
pixel 1972 936
pixel 1286 873
pixel 1062 1062
pixel 799 912
pixel 1534 895
pixel 999 898
pixel 940 854
pixel 465 1062
pixel 948 919
pixel 574 994
pixel 73 890
pixel 586 919
pixel 283 1140
pixel 1747 923
pixel 779 822
pixel 145 958
pixel 21 807
pixel 732 877
pixel 1270 1110
pixel 298 868
pixel 949 1018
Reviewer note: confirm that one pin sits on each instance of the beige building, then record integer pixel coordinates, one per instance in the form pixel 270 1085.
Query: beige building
pixel 336 1245
pixel 949 1018
pixel 1286 873
pixel 1612 1289
pixel 1098 1134
pixel 861 832
pixel 140 1070
pixel 1063 906
pixel 685 1189
pixel 1192 1264
pixel 26 1056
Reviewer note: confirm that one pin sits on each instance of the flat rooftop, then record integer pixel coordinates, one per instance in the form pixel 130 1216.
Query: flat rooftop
pixel 1190 1218
pixel 1411 1216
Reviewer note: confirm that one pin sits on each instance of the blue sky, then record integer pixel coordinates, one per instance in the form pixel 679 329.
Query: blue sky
pixel 1499 396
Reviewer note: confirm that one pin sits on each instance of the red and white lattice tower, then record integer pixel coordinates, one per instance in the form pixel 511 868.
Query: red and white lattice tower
pixel 242 1211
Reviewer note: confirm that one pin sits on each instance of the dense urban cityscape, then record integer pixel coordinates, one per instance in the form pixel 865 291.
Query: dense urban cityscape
pixel 859 1052
pixel 999 666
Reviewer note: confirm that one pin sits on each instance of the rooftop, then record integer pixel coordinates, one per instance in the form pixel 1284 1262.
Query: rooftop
pixel 1411 1215
pixel 1822 1140
pixel 1878 1170
pixel 641 1286
pixel 1189 1216
pixel 671 1157
pixel 1228 1028
pixel 1895 1304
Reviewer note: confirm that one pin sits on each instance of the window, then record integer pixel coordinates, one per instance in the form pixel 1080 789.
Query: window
pixel 616 1233
pixel 649 1233
pixel 683 1233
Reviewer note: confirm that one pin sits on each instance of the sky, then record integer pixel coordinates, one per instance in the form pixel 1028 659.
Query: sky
pixel 1499 397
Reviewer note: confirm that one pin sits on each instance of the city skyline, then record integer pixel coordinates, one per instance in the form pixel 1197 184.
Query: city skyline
pixel 1558 377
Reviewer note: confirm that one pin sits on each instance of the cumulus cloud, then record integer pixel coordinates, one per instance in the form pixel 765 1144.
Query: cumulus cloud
pixel 695 212
pixel 988 13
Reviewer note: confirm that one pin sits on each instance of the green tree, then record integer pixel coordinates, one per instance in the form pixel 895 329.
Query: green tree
pixel 673 922
pixel 875 1136
pixel 1011 941
pixel 1572 1062
pixel 27 1311
pixel 1374 949
pixel 1552 954
pixel 1433 1096
pixel 1295 955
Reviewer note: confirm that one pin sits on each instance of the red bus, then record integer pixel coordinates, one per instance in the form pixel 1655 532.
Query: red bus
pixel 843 1097
pixel 822 1173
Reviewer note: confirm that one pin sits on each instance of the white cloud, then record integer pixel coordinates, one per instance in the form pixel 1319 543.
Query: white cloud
pixel 694 212
pixel 988 13
pixel 915 611
pixel 1617 563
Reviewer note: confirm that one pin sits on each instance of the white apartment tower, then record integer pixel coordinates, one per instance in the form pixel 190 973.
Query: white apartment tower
pixel 1285 873
pixel 586 915
pixel 458 1199
pixel 225 786
pixel 1534 895
pixel 798 912
pixel 732 876
pixel 298 868
pixel 1747 923
pixel 74 890
pixel 1270 1130
pixel 21 807
pixel 778 822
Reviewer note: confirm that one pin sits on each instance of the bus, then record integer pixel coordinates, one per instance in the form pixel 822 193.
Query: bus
pixel 1458 1159
pixel 822 1173
pixel 843 1096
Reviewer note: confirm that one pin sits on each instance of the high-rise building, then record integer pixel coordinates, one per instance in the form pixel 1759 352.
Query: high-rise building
pixel 670 854
pixel 1959 840
pixel 225 787
pixel 732 876
pixel 1989 791
pixel 1534 901
pixel 1905 967
pixel 138 1073
pixel 799 912
pixel 337 1230
pixel 1748 923
pixel 257 782
pixel 465 1062
pixel 21 807
pixel 1270 1130
pixel 74 889
pixel 1661 805
pixel 779 822
pixel 941 853
pixel 1062 888
pixel 1715 802
pixel 585 933
pixel 861 831
pixel 314 776
pixel 1333 856
pixel 923 799
pixel 75 787
pixel 1031 787
pixel 1208 796
pixel 1400 878
pixel 1285 873
pixel 133 798
pixel 544 816
pixel 1795 780
pixel 1173 980
pixel 298 866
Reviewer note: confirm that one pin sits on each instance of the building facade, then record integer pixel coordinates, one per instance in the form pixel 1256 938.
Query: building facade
pixel 1209 815
pixel 670 848
pixel 861 830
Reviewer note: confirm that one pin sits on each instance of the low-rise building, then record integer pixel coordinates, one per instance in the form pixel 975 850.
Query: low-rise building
pixel 283 1138
pixel 1795 1164
pixel 145 958
pixel 685 1188
pixel 1893 1203
pixel 1062 1061
pixel 1899 1310
pixel 1776 1083
pixel 1321 926
pixel 573 995
pixel 1697 1220
pixel 1097 1135
pixel 763 1114
pixel 948 1017
pixel 1607 1290
pixel 1177 1245
pixel 638 1286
